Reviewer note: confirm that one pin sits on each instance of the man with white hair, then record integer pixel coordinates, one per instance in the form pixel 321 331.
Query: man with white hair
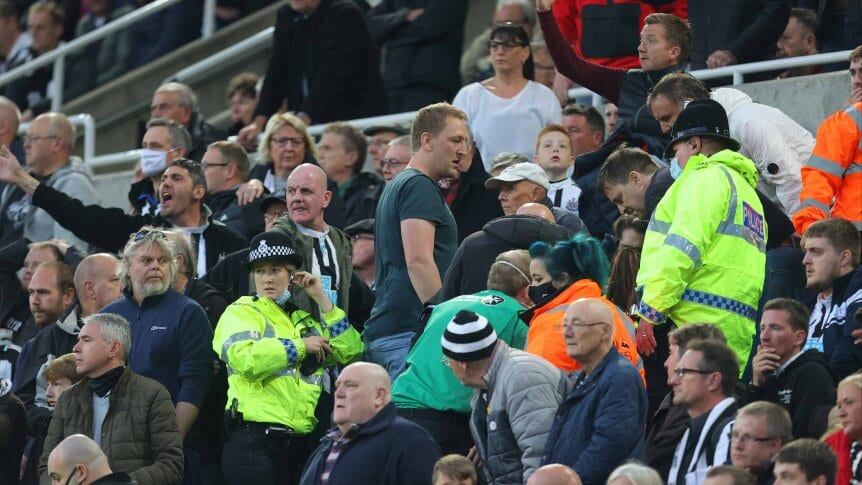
pixel 129 416
pixel 48 146
pixel 600 424
pixel 80 457
pixel 171 332
pixel 369 443
pixel 178 102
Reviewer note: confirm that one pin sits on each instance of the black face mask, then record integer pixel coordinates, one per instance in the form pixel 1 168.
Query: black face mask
pixel 540 292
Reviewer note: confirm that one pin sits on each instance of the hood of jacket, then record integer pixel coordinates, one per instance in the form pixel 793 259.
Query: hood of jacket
pixel 813 356
pixel 71 168
pixel 522 230
pixel 730 159
pixel 658 185
pixel 730 99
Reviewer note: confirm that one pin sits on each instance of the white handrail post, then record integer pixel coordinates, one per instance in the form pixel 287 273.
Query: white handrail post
pixel 208 23
pixel 89 137
pixel 597 100
pixel 737 78
pixel 58 79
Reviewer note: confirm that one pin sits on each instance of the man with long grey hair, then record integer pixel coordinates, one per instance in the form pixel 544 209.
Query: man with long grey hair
pixel 171 332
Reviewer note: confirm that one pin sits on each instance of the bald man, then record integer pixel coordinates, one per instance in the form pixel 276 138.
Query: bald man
pixel 371 443
pixel 535 209
pixel 48 147
pixel 555 474
pixel 325 250
pixel 97 283
pixel 600 424
pixel 10 119
pixel 80 459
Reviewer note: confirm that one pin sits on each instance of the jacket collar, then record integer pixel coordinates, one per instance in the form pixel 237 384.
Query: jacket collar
pixel 149 301
pixel 590 381
pixel 658 185
pixel 501 352
pixel 378 423
pixel 68 321
pixel 583 288
pixel 839 284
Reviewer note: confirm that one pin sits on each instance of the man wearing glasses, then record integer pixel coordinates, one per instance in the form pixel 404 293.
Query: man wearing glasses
pixel 600 424
pixel 760 430
pixel 703 383
pixel 226 167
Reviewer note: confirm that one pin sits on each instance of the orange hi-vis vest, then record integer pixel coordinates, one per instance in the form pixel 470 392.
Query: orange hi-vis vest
pixel 545 337
pixel 832 177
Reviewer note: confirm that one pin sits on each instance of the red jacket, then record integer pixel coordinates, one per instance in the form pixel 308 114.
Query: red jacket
pixel 572 15
pixel 840 444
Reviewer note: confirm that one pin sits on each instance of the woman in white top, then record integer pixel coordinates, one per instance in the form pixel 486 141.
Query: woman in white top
pixel 507 111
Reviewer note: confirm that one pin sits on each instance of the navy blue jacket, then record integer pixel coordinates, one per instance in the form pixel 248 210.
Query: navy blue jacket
pixel 387 450
pixel 601 423
pixel 844 357
pixel 171 339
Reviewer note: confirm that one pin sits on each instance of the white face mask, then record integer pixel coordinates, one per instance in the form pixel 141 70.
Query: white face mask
pixel 153 162
pixel 675 169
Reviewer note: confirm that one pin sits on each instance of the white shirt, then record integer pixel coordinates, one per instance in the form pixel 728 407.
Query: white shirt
pixel 818 322
pixel 508 125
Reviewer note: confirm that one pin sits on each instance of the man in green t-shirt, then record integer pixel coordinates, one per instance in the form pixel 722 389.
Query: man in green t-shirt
pixel 428 393
pixel 415 235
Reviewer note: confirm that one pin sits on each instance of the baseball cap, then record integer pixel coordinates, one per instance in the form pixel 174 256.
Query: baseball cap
pixel 365 226
pixel 518 172
pixel 277 196
pixel 375 129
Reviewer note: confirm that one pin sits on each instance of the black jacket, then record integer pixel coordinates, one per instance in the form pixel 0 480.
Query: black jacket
pixel 468 272
pixel 109 228
pixel 211 417
pixel 202 134
pixel 335 213
pixel 664 432
pixel 332 51
pixel 596 211
pixel 638 119
pixel 746 28
pixel 425 51
pixel 54 340
pixel 230 275
pixel 474 206
pixel 806 389
pixel 245 220
pixel 780 226
pixel 13 436
pixel 116 478
pixel 387 450
pixel 360 199
pixel 143 197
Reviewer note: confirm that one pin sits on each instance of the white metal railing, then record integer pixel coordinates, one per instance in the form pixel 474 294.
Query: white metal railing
pixel 88 123
pixel 57 57
pixel 235 53
pixel 740 70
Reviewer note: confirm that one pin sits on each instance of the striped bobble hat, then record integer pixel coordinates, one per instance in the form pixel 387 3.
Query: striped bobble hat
pixel 468 337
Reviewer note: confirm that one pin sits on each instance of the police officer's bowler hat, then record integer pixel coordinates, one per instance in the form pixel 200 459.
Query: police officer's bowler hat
pixel 705 118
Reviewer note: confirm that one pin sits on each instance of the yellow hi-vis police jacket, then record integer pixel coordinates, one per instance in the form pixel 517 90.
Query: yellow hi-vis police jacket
pixel 704 255
pixel 266 359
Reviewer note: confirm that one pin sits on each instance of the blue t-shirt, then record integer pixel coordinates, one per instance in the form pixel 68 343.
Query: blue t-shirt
pixel 410 195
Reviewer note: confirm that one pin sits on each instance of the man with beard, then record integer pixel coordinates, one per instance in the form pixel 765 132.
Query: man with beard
pixel 170 331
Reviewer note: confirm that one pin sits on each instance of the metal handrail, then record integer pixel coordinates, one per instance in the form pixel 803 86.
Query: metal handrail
pixel 739 70
pixel 234 53
pixel 57 57
pixel 89 125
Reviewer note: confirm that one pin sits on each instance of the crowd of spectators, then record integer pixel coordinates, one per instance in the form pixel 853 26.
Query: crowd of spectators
pixel 509 290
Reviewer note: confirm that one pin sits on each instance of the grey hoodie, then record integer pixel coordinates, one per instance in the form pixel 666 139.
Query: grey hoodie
pixel 74 181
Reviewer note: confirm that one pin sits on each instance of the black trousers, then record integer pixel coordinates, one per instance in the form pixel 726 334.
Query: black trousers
pixel 251 456
pixel 450 430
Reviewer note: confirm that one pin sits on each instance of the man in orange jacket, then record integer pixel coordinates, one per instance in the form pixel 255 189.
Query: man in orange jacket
pixel 832 177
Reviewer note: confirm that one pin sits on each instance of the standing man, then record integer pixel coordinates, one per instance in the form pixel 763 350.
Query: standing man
pixel 14 45
pixel 703 383
pixel 341 154
pixel 831 180
pixel 164 141
pixel 705 261
pixel 324 65
pixel 128 415
pixel 415 235
pixel 801 382
pixel 516 396
pixel 423 41
pixel 171 333
pixel 834 285
pixel 48 145
pixel 600 423
pixel 177 102
pixel 226 167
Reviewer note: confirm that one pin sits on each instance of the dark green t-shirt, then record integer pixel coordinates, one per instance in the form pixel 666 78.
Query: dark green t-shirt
pixel 410 195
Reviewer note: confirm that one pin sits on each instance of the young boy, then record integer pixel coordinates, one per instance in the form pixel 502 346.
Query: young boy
pixel 454 470
pixel 554 154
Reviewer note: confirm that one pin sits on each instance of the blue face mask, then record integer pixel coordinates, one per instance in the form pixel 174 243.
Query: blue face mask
pixel 675 169
pixel 281 300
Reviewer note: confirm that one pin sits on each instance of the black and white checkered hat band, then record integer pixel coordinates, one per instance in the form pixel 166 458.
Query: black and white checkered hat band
pixel 264 251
